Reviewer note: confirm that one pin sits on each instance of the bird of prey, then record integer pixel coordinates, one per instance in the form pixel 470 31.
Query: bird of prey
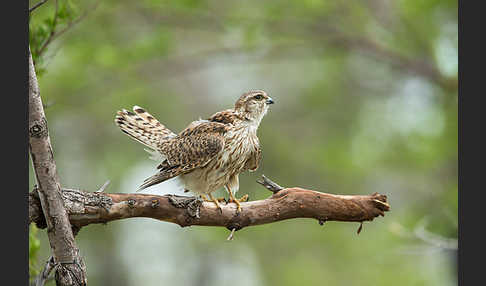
pixel 207 154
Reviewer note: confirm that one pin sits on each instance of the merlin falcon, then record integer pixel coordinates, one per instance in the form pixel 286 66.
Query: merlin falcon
pixel 207 154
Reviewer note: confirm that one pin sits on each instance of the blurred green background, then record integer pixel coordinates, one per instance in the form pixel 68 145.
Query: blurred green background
pixel 366 101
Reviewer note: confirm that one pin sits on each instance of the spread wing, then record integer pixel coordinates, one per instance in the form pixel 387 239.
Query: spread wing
pixel 192 148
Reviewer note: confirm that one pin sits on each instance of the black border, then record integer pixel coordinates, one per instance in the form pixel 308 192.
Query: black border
pixel 471 143
pixel 15 103
pixel 15 160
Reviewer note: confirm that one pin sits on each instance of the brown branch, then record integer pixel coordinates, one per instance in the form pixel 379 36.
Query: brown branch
pixel 86 208
pixel 71 269
pixel 270 185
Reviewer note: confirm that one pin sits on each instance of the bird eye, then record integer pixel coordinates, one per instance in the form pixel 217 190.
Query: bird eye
pixel 258 97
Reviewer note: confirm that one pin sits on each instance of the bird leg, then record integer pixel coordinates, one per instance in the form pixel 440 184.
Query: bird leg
pixel 214 200
pixel 232 199
pixel 221 199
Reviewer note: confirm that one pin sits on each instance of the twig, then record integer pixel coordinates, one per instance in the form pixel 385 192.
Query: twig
pixel 42 277
pixel 360 228
pixel 37 5
pixel 53 35
pixel 48 104
pixel 102 189
pixel 269 184
pixel 231 236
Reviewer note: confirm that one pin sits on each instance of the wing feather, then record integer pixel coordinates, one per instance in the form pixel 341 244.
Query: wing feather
pixel 193 148
pixel 254 161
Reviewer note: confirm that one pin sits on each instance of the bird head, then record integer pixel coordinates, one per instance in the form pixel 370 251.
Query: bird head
pixel 253 105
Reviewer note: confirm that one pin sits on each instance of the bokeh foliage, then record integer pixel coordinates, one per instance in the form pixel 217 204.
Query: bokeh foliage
pixel 34 246
pixel 366 100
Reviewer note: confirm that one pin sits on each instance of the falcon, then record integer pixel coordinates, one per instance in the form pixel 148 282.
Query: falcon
pixel 208 154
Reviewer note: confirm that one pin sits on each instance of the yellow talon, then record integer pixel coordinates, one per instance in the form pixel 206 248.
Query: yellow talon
pixel 221 199
pixel 244 198
pixel 237 201
pixel 238 206
pixel 214 200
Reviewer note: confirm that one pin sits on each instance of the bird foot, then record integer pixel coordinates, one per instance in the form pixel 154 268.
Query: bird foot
pixel 238 201
pixel 214 200
pixel 222 199
pixel 244 198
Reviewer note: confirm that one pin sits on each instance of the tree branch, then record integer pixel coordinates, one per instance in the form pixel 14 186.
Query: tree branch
pixel 71 269
pixel 86 208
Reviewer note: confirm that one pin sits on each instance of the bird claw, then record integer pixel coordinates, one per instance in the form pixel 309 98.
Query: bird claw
pixel 244 198
pixel 222 199
pixel 215 201
pixel 238 201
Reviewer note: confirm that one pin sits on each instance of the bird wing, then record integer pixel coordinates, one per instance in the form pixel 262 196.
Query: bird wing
pixel 193 148
pixel 228 116
pixel 254 161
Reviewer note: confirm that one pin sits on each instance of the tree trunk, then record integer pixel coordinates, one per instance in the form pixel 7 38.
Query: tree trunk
pixel 69 266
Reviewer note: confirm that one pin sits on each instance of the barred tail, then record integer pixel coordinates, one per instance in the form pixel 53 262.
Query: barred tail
pixel 142 127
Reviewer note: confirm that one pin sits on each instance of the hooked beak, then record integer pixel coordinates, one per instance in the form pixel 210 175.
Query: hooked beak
pixel 269 101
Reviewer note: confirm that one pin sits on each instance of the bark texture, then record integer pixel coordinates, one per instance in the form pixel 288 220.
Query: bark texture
pixel 85 208
pixel 70 268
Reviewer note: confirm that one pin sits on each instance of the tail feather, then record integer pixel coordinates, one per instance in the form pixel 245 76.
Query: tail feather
pixel 160 177
pixel 142 127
